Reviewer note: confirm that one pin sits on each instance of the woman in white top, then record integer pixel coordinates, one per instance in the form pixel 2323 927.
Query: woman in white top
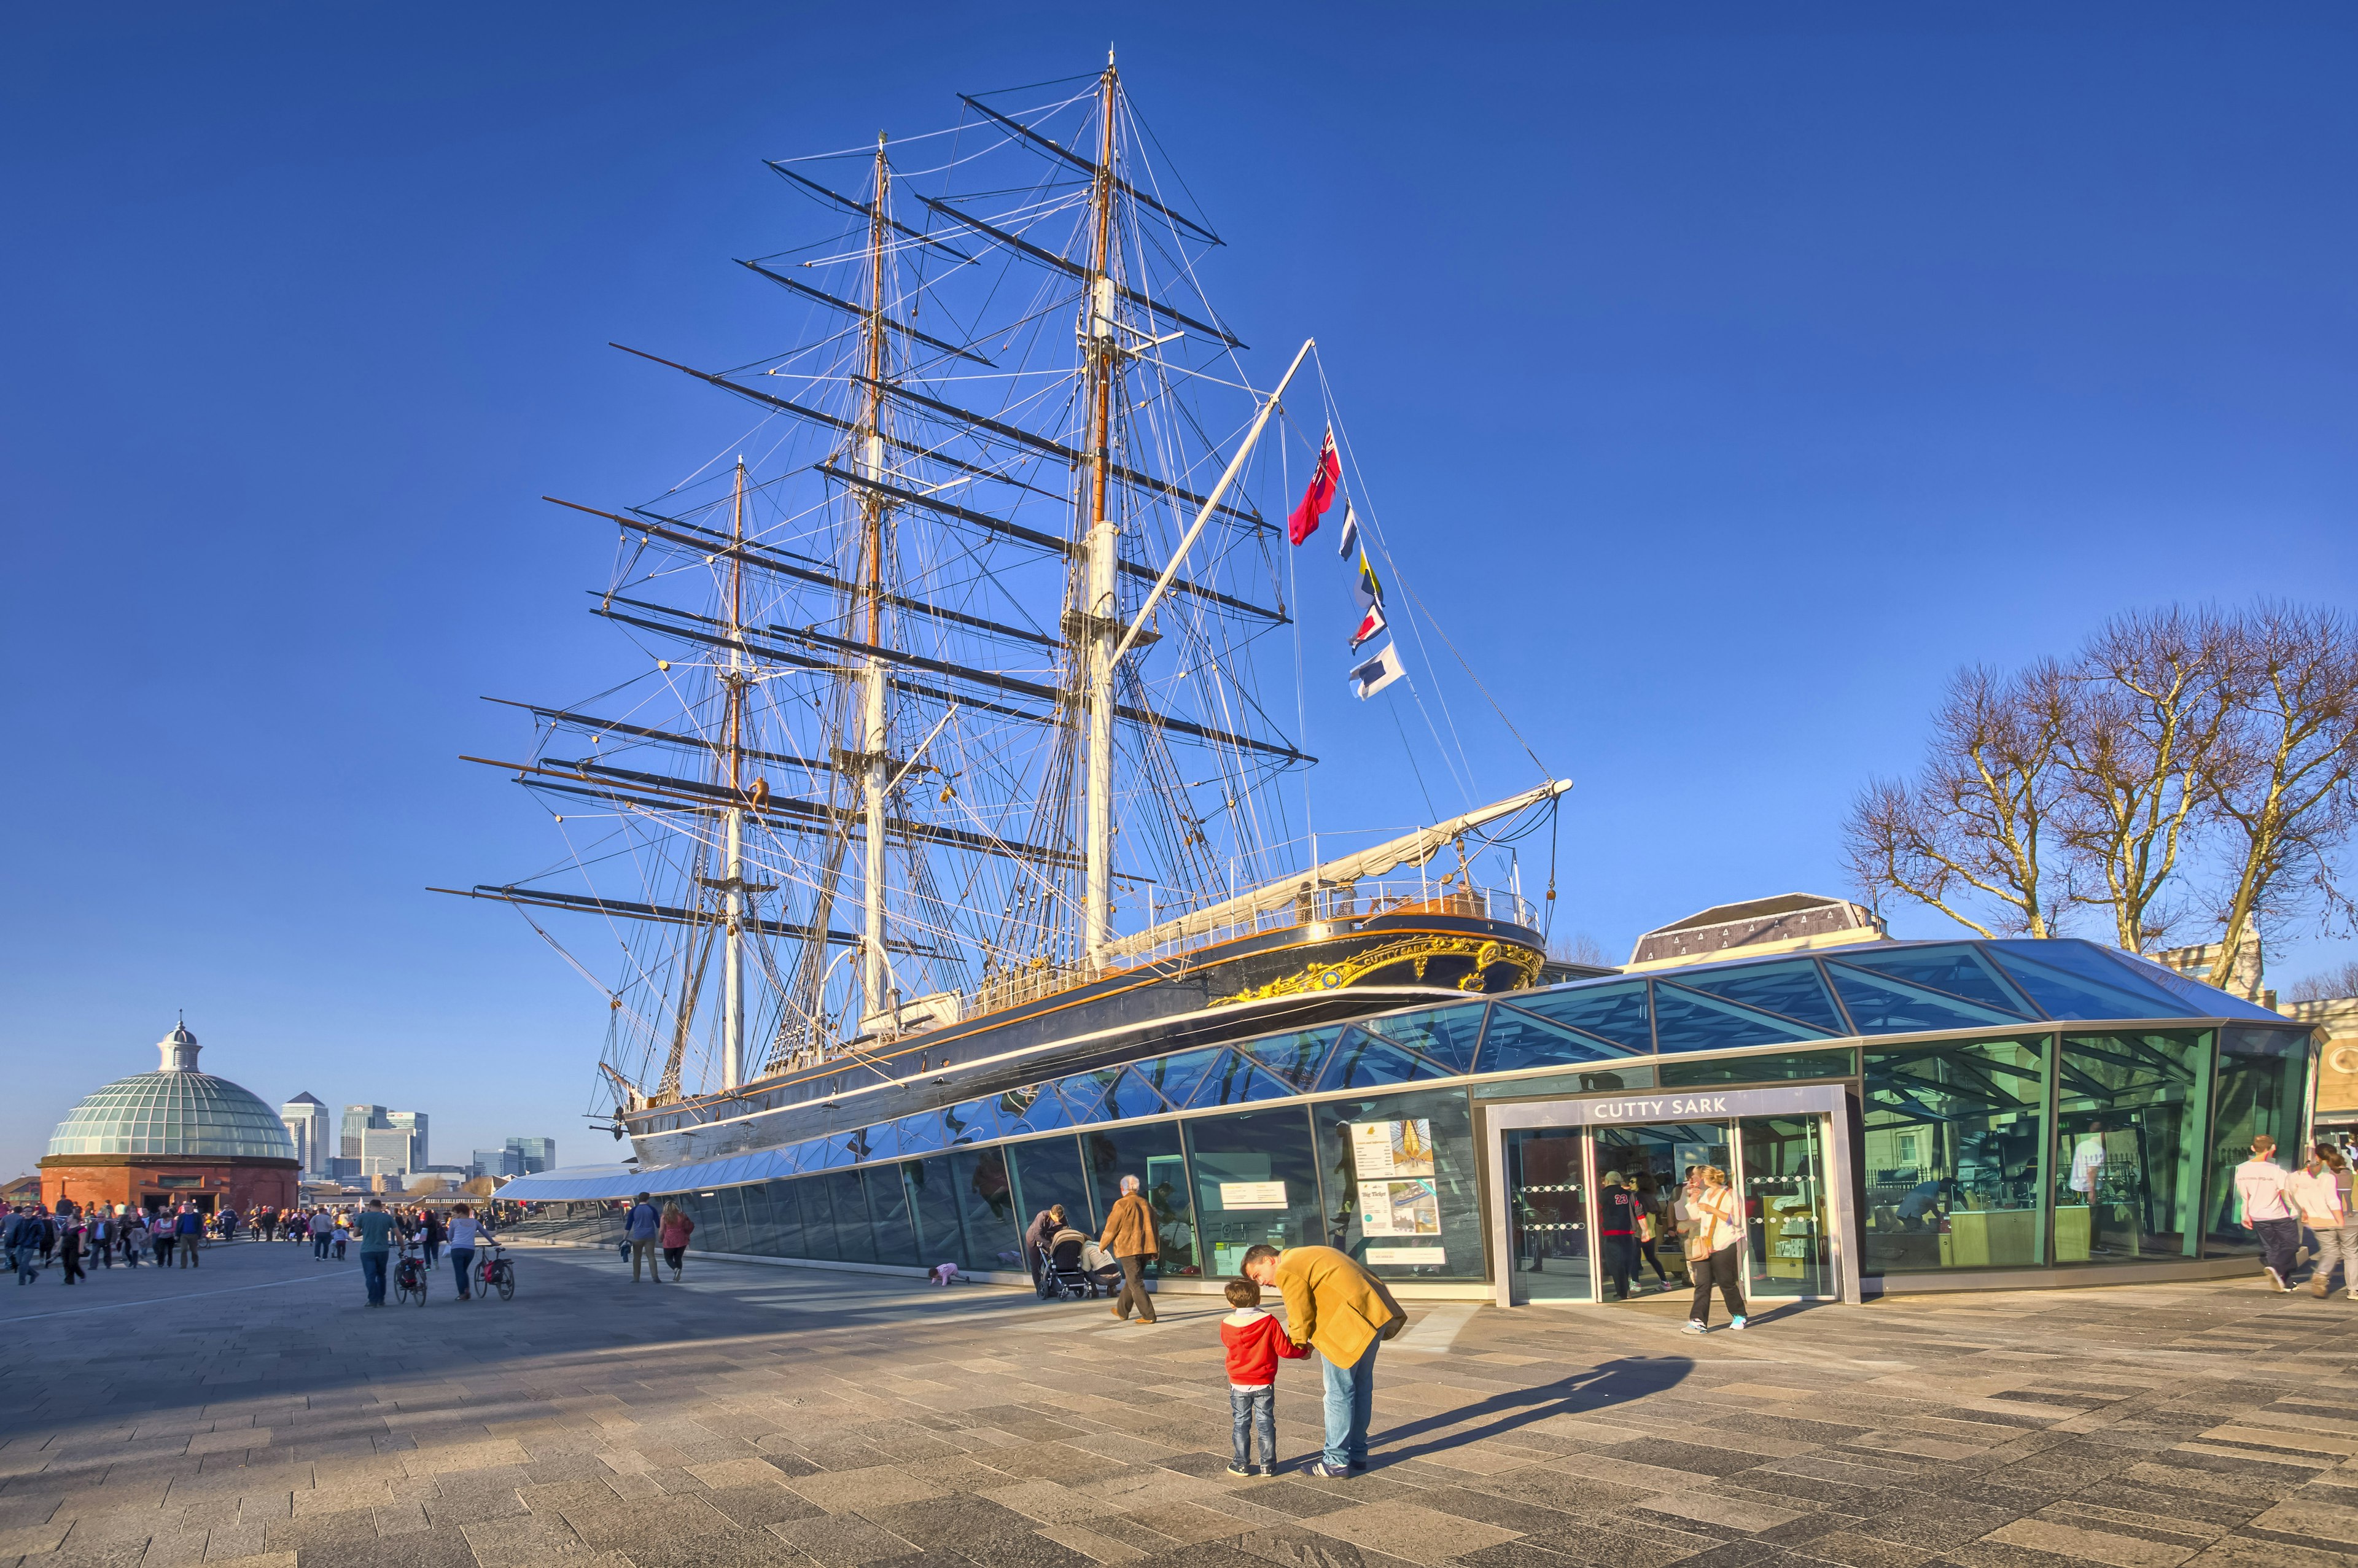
pixel 1715 1219
pixel 2322 1188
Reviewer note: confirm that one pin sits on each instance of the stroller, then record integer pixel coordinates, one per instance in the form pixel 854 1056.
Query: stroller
pixel 1064 1277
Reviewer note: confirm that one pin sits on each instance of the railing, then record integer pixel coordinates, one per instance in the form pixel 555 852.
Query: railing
pixel 1359 901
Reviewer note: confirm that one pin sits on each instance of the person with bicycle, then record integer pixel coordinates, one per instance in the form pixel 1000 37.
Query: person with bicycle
pixel 464 1233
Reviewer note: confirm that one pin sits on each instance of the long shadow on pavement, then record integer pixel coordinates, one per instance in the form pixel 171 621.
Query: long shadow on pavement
pixel 1607 1384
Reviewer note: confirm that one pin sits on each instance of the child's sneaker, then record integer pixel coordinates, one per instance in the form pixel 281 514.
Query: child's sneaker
pixel 1240 1470
pixel 1265 1471
pixel 1737 1322
pixel 2275 1281
pixel 1694 1325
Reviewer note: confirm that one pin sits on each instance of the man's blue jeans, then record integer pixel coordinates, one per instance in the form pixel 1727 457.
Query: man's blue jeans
pixel 1254 1410
pixel 1350 1403
pixel 373 1275
pixel 462 1260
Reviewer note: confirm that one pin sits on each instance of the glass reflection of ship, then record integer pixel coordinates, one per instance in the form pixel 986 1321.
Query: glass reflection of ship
pixel 946 741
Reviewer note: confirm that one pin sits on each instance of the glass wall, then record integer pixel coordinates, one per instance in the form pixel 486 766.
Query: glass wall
pixel 2263 1087
pixel 1048 1171
pixel 1954 1155
pixel 994 1236
pixel 1149 1151
pixel 1401 1193
pixel 1255 1181
pixel 2127 1159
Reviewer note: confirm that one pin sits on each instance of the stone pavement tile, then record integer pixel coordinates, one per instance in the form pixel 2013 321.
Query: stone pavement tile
pixel 1749 1513
pixel 959 1523
pixel 1043 1461
pixel 241 1541
pixel 1297 1547
pixel 864 1491
pixel 1298 1499
pixel 554 1496
pixel 1137 1486
pixel 523 1542
pixel 320 1530
pixel 174 1549
pixel 626 1524
pixel 1934 1523
pixel 1405 1529
pixel 2249 1553
pixel 841 1541
pixel 730 1549
pixel 766 1503
pixel 1849 1550
pixel 1550 1487
pixel 1182 1522
pixel 1487 1507
pixel 788 1464
pixel 1047 1501
pixel 1097 1548
pixel 1031 1549
pixel 2080 1545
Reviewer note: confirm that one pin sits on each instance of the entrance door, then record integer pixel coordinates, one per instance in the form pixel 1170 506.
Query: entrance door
pixel 1785 1199
pixel 1547 1215
pixel 1652 1160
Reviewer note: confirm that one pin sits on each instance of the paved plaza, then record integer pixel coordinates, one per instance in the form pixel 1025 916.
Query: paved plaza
pixel 252 1412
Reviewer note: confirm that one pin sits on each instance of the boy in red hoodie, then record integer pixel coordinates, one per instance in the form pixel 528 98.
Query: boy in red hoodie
pixel 1254 1341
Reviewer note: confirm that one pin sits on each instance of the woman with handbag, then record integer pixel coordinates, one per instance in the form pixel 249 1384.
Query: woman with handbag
pixel 1715 1216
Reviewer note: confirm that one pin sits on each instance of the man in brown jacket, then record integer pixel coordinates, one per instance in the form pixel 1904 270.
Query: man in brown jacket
pixel 1129 1240
pixel 1336 1307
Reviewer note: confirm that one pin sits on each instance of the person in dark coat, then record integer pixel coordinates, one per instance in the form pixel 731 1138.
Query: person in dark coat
pixel 1036 1240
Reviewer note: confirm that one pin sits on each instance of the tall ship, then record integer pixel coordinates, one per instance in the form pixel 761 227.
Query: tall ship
pixel 955 742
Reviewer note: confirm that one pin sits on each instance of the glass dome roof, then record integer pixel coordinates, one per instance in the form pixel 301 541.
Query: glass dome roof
pixel 174 1113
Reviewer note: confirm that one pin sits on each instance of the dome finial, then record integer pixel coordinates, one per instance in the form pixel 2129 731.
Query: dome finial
pixel 180 1048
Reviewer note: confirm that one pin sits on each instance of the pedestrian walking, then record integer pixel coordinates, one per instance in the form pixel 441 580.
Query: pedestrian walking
pixel 134 1238
pixel 323 1234
pixel 376 1248
pixel 1338 1309
pixel 49 1231
pixel 464 1232
pixel 643 1225
pixel 21 1238
pixel 70 1245
pixel 98 1237
pixel 2263 1192
pixel 344 1232
pixel 1714 1220
pixel 1254 1342
pixel 2322 1189
pixel 1618 1214
pixel 190 1229
pixel 1128 1240
pixel 677 1228
pixel 434 1232
pixel 1037 1238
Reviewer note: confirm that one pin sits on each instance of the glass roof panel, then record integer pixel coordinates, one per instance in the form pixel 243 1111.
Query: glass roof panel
pixel 1134 1095
pixel 1955 969
pixel 2079 980
pixel 1791 988
pixel 1294 1057
pixel 1881 1004
pixel 1446 1035
pixel 1039 1109
pixel 1515 1040
pixel 1363 1061
pixel 1177 1077
pixel 1690 1021
pixel 1618 1012
pixel 1238 1080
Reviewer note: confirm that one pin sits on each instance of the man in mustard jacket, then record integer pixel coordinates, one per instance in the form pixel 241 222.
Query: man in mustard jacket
pixel 1129 1240
pixel 1344 1313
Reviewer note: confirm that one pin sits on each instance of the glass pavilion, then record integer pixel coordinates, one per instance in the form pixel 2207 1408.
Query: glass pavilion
pixel 1898 1114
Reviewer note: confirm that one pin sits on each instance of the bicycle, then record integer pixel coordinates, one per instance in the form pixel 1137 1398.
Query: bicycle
pixel 409 1276
pixel 494 1273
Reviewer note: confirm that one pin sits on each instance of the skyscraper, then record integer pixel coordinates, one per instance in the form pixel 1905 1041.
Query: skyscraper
pixel 498 1162
pixel 359 1118
pixel 306 1122
pixel 537 1153
pixel 389 1152
pixel 414 1121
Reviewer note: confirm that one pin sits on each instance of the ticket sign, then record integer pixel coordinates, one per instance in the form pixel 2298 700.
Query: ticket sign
pixel 1252 1194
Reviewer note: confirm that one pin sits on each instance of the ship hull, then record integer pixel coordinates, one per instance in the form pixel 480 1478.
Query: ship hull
pixel 1305 975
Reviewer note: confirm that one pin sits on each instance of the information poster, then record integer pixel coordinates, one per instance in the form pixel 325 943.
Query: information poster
pixel 1392 1149
pixel 1398 1208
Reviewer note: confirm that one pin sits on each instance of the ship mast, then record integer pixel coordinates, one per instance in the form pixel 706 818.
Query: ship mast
pixel 732 1009
pixel 874 677
pixel 1101 619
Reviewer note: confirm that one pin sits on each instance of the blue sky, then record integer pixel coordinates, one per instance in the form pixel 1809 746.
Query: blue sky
pixel 1727 377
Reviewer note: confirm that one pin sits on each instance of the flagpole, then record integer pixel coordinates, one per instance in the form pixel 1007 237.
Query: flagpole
pixel 1236 466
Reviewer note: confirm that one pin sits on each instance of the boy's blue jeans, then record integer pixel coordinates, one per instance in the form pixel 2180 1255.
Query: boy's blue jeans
pixel 1350 1403
pixel 1254 1410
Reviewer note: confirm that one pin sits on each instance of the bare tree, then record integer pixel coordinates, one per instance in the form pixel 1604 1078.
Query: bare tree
pixel 2281 784
pixel 2330 985
pixel 2147 723
pixel 1583 949
pixel 1973 828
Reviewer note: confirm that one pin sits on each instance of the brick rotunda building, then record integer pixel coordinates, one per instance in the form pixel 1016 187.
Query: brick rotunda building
pixel 152 1139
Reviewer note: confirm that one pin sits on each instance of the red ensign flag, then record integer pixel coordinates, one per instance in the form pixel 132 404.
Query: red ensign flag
pixel 1319 496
